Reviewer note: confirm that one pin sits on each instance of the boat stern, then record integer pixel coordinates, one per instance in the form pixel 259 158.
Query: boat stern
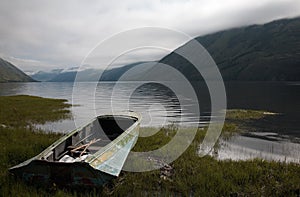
pixel 44 173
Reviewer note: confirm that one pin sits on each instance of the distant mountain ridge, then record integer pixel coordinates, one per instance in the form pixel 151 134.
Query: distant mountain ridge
pixel 61 75
pixel 67 75
pixel 46 76
pixel 116 73
pixel 269 52
pixel 10 73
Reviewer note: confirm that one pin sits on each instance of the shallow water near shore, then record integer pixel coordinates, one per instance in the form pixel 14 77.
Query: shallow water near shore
pixel 275 137
pixel 266 146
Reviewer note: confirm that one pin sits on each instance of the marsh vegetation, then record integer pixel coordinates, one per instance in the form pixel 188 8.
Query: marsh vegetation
pixel 191 174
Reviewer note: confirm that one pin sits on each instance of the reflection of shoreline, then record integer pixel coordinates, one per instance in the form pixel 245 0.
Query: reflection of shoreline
pixel 247 148
pixel 252 141
pixel 250 134
pixel 268 136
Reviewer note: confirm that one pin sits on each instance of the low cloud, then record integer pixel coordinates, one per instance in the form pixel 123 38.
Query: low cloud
pixel 37 35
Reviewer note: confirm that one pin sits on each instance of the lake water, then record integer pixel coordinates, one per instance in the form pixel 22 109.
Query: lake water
pixel 276 137
pixel 158 105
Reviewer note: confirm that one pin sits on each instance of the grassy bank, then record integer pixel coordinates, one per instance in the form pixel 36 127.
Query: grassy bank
pixel 19 140
pixel 190 175
pixel 205 176
pixel 23 110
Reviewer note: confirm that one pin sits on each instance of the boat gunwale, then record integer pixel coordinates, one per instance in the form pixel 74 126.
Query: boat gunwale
pixel 90 159
pixel 104 149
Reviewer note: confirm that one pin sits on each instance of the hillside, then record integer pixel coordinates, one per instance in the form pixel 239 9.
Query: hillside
pixel 10 73
pixel 46 76
pixel 64 77
pixel 83 75
pixel 69 75
pixel 136 70
pixel 269 52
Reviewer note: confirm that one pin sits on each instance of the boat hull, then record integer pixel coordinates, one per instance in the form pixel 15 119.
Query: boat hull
pixel 105 154
pixel 78 174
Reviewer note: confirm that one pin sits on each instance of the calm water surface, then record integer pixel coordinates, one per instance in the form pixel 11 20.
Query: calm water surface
pixel 276 137
pixel 157 105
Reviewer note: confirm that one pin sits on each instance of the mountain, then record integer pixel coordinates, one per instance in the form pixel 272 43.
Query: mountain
pixel 46 76
pixel 269 52
pixel 71 74
pixel 135 70
pixel 64 77
pixel 67 75
pixel 10 73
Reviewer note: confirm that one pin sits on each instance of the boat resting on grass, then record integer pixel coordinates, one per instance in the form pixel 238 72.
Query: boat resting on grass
pixel 88 156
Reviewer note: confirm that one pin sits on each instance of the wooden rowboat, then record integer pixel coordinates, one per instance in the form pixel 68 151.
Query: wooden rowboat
pixel 88 156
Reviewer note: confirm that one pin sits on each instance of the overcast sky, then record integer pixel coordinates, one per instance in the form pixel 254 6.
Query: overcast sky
pixel 41 35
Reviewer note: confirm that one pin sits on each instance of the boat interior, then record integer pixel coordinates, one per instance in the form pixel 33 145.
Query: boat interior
pixel 89 139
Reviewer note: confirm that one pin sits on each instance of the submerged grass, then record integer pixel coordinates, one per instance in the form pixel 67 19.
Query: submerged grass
pixel 192 175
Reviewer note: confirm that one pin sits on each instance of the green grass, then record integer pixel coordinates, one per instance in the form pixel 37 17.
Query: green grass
pixel 241 114
pixel 205 176
pixel 19 140
pixel 193 175
pixel 23 110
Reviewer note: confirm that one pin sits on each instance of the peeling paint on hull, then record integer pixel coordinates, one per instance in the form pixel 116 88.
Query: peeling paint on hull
pixel 103 162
